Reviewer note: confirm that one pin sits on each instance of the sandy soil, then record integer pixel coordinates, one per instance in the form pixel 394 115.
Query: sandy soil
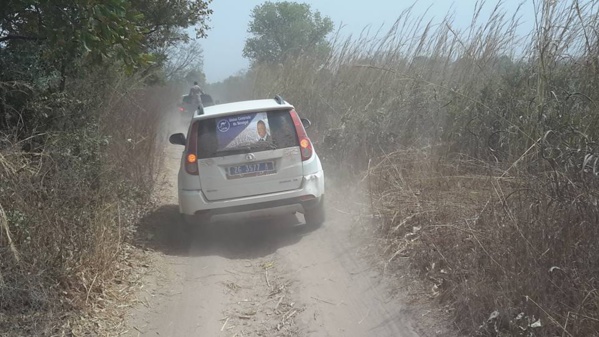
pixel 265 278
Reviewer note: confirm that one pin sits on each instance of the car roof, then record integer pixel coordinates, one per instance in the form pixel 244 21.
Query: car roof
pixel 242 106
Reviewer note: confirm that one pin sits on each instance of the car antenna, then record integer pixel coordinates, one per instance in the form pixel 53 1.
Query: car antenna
pixel 279 99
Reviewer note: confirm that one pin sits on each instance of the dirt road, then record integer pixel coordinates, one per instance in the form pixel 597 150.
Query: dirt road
pixel 266 278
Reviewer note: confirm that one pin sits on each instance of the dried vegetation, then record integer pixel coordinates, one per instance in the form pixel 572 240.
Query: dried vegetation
pixel 480 145
pixel 68 201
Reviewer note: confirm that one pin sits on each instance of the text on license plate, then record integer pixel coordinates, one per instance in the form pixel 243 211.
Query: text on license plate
pixel 251 169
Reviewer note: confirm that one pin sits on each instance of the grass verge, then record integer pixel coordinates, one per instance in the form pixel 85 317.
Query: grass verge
pixel 481 147
pixel 69 200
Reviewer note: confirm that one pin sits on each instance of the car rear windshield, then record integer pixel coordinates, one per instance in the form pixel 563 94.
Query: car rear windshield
pixel 246 132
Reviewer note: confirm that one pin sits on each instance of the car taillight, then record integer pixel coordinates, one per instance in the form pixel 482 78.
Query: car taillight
pixel 181 109
pixel 191 152
pixel 305 143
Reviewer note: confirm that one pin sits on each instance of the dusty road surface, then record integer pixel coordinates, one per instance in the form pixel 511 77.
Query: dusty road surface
pixel 264 278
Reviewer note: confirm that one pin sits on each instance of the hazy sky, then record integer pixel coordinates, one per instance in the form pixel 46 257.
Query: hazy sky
pixel 229 22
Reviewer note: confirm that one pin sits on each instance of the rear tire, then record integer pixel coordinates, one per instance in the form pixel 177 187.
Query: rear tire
pixel 315 216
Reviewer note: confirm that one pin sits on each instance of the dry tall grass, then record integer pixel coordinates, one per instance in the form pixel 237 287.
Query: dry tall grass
pixel 483 155
pixel 68 199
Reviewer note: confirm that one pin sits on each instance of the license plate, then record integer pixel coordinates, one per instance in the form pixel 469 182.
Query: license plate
pixel 250 169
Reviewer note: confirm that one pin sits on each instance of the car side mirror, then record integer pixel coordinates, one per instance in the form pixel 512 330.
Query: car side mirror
pixel 177 139
pixel 306 122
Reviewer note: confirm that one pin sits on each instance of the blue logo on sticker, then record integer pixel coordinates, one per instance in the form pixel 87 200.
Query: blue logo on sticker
pixel 223 125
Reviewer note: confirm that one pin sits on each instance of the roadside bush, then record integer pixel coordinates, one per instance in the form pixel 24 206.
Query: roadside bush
pixel 69 195
pixel 481 154
pixel 511 256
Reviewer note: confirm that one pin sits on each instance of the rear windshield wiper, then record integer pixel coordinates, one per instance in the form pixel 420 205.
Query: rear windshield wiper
pixel 237 150
pixel 267 146
pixel 246 149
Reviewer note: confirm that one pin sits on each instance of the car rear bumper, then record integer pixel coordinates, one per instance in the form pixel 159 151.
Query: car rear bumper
pixel 194 203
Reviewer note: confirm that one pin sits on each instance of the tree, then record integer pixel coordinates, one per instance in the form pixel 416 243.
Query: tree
pixel 44 43
pixel 282 29
pixel 196 75
pixel 163 19
pixel 65 33
pixel 184 63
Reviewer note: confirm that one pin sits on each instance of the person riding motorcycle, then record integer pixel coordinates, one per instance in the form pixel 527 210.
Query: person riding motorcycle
pixel 195 93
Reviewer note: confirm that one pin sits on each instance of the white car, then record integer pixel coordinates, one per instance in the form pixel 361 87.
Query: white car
pixel 249 159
